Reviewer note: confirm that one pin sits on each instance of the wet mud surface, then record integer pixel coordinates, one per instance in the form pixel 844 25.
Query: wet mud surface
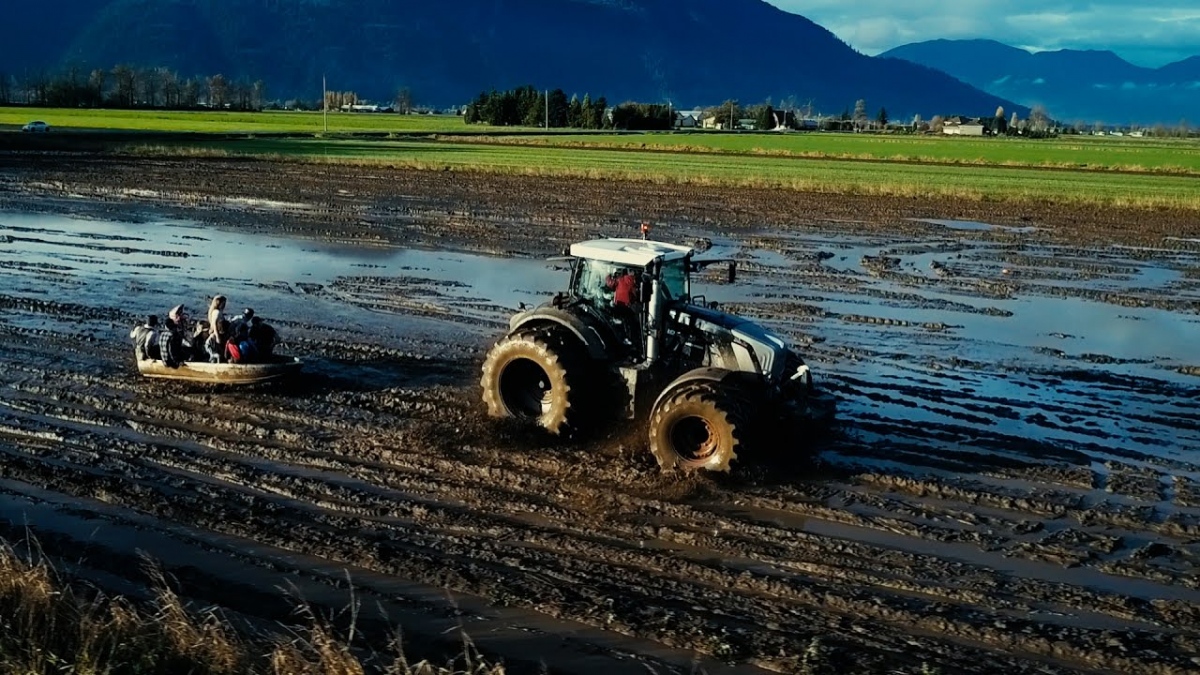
pixel 1012 483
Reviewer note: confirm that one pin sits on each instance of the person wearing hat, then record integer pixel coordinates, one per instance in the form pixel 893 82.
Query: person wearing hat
pixel 240 326
pixel 170 339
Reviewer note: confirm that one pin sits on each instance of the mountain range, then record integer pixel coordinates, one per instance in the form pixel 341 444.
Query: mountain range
pixel 694 53
pixel 1073 85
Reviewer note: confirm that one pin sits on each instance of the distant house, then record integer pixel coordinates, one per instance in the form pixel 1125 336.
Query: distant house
pixel 957 126
pixel 722 122
pixel 687 119
pixel 372 108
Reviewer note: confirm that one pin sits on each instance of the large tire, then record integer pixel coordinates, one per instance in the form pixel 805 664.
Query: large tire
pixel 537 377
pixel 697 427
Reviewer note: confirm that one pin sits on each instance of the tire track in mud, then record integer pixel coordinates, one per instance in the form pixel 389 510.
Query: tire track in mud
pixel 225 485
pixel 973 509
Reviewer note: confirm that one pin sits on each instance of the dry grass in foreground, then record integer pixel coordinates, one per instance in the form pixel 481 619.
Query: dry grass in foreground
pixel 49 626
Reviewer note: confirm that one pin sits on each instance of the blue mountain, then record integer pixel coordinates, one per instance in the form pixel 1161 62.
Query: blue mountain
pixel 1073 85
pixel 692 53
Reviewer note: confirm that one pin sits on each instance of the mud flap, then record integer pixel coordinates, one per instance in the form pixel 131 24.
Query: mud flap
pixel 631 377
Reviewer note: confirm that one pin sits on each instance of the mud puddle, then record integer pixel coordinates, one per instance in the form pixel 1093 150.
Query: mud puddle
pixel 150 266
pixel 980 353
pixel 1047 360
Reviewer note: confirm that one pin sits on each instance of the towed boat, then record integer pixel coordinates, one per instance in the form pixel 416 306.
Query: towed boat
pixel 222 373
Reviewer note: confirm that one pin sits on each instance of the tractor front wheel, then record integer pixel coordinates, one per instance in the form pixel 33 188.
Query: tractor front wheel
pixel 536 377
pixel 696 427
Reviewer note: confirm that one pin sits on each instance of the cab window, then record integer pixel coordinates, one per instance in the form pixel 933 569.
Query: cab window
pixel 591 280
pixel 675 280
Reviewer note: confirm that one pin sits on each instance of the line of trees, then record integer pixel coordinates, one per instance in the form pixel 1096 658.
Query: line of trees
pixel 643 117
pixel 526 106
pixel 125 86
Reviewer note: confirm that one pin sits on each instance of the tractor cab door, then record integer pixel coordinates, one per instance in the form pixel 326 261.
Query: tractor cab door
pixel 676 279
pixel 614 292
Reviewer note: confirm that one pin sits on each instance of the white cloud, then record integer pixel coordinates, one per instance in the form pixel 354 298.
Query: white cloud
pixel 1147 34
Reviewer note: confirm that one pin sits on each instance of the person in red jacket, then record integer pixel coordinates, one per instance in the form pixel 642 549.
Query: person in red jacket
pixel 623 284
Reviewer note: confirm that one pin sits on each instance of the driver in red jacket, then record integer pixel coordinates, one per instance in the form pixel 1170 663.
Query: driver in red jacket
pixel 623 285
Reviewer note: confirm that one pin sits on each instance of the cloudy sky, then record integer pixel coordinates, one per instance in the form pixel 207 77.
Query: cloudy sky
pixel 1147 33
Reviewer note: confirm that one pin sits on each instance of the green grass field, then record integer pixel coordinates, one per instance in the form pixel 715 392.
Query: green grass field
pixel 1144 172
pixel 824 175
pixel 233 122
pixel 1076 152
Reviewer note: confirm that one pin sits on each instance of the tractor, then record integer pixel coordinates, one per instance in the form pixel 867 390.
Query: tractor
pixel 706 381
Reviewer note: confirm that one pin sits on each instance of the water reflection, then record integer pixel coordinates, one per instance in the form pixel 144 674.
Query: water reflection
pixel 155 264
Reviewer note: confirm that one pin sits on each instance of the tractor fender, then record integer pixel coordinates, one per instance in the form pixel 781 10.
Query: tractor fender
pixel 706 374
pixel 587 335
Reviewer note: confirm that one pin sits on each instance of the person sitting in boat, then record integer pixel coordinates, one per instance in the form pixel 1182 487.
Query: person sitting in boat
pixel 217 339
pixel 264 338
pixel 240 326
pixel 242 351
pixel 145 338
pixel 219 326
pixel 198 346
pixel 170 339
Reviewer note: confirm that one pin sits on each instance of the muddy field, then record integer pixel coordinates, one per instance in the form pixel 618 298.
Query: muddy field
pixel 1012 484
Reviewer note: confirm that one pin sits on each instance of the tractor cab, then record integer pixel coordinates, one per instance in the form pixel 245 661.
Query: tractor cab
pixel 598 262
pixel 628 282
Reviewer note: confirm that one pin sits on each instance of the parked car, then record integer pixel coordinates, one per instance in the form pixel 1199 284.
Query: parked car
pixel 36 127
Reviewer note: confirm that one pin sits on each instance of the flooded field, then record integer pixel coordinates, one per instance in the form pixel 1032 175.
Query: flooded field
pixel 1013 480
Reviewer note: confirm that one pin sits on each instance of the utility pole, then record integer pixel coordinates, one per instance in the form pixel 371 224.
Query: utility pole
pixel 324 104
pixel 547 110
pixel 731 115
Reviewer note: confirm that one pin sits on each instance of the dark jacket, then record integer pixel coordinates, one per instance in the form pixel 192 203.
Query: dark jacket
pixel 264 338
pixel 170 344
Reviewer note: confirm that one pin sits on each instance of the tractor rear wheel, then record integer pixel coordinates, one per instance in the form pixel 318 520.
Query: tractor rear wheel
pixel 538 377
pixel 697 427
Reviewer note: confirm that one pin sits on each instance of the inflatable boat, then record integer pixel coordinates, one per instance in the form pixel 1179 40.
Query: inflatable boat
pixel 222 373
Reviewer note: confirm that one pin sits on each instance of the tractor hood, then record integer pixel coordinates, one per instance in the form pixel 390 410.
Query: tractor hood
pixel 719 318
pixel 769 349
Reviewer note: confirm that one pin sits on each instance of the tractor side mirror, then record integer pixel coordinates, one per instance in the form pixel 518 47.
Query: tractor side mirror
pixel 646 289
pixel 733 272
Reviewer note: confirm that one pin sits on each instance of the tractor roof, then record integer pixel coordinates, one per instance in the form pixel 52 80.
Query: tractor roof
pixel 634 252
